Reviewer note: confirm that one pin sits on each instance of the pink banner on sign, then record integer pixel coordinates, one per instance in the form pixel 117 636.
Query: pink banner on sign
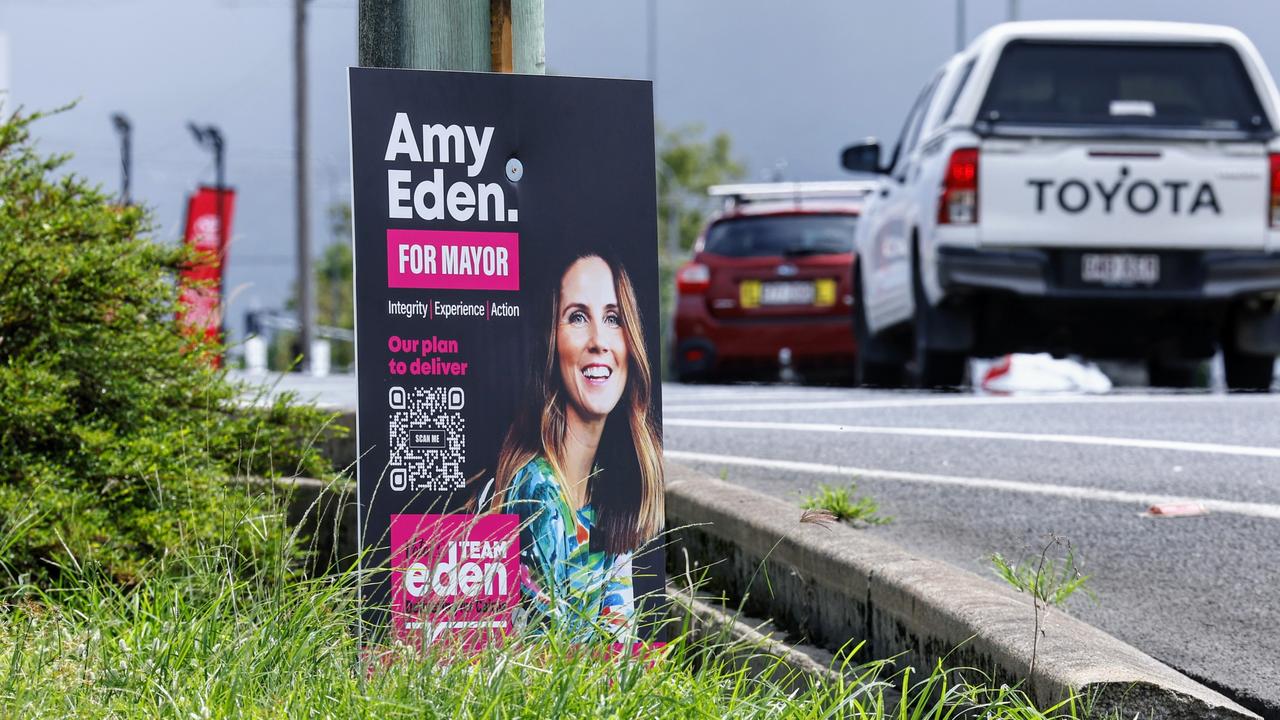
pixel 454 578
pixel 453 260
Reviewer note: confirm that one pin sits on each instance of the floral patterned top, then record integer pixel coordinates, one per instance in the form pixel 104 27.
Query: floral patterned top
pixel 562 581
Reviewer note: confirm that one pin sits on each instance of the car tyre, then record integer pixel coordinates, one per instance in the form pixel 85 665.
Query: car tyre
pixel 683 374
pixel 680 375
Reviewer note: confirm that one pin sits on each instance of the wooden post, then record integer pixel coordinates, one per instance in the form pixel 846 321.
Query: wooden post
pixel 500 36
pixel 476 35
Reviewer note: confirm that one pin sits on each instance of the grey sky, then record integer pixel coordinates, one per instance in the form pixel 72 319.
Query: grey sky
pixel 789 81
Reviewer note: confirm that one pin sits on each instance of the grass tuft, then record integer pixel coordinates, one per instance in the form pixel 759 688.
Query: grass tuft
pixel 845 505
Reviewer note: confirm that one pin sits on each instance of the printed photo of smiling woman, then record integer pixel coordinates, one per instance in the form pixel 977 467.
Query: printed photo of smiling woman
pixel 581 465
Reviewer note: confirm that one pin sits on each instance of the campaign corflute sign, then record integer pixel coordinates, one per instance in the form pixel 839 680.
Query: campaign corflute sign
pixel 507 351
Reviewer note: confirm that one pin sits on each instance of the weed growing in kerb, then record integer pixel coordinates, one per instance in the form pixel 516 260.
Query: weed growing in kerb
pixel 1049 578
pixel 844 504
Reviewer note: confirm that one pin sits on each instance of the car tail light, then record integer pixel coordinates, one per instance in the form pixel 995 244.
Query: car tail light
pixel 693 279
pixel 1274 210
pixel 958 204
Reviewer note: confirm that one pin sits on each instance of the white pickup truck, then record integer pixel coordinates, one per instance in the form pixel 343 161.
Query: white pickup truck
pixel 1109 189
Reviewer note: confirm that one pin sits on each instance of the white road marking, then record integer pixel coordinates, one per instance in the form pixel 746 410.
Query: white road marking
pixel 961 401
pixel 1261 510
pixel 741 396
pixel 1141 443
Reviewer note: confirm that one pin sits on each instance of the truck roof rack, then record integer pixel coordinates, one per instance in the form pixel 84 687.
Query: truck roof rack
pixel 743 193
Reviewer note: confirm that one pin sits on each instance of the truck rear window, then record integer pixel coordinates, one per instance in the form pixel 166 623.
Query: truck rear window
pixel 1177 85
pixel 782 235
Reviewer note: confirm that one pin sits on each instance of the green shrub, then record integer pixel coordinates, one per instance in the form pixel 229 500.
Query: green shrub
pixel 119 442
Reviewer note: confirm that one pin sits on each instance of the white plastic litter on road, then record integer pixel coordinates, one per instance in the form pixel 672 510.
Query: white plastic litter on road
pixel 1038 373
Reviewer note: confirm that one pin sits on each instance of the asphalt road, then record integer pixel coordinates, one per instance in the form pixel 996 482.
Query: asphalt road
pixel 964 476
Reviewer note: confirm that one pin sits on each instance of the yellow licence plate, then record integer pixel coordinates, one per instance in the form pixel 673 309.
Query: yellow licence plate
pixel 817 293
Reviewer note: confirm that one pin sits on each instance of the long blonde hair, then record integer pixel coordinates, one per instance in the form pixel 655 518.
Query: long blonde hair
pixel 626 492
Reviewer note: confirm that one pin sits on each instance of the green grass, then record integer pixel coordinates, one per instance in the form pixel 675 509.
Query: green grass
pixel 200 637
pixel 845 505
pixel 193 644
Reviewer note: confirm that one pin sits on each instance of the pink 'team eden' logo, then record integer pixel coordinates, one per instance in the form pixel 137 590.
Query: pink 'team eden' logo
pixel 454 578
pixel 453 260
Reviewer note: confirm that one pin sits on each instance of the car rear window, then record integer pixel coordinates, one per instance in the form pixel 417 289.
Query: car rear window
pixel 786 235
pixel 1179 85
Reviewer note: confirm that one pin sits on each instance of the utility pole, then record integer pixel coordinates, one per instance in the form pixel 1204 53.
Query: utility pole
pixel 453 35
pixel 651 39
pixel 960 31
pixel 125 130
pixel 306 293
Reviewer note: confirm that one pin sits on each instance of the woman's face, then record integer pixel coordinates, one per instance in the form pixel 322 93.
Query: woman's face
pixel 590 343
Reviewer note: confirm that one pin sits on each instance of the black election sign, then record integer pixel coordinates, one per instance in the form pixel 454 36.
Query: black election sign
pixel 506 283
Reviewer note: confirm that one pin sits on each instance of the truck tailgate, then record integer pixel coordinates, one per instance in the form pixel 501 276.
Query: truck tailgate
pixel 1081 193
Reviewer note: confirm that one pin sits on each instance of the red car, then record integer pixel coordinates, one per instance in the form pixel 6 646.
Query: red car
pixel 770 283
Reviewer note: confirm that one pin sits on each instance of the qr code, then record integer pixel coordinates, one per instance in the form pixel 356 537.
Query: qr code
pixel 428 439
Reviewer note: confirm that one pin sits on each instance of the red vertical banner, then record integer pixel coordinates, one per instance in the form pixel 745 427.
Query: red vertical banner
pixel 200 302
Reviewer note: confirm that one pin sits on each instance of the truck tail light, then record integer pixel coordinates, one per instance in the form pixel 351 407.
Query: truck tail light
pixel 1273 211
pixel 958 203
pixel 693 279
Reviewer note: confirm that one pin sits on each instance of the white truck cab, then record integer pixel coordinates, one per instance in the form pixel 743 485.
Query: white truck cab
pixel 1104 188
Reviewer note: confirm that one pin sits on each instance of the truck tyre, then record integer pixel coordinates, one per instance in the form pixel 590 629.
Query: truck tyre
pixel 1176 373
pixel 940 369
pixel 878 362
pixel 1247 372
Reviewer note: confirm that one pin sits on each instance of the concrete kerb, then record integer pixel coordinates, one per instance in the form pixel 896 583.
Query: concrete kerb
pixel 751 647
pixel 833 585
